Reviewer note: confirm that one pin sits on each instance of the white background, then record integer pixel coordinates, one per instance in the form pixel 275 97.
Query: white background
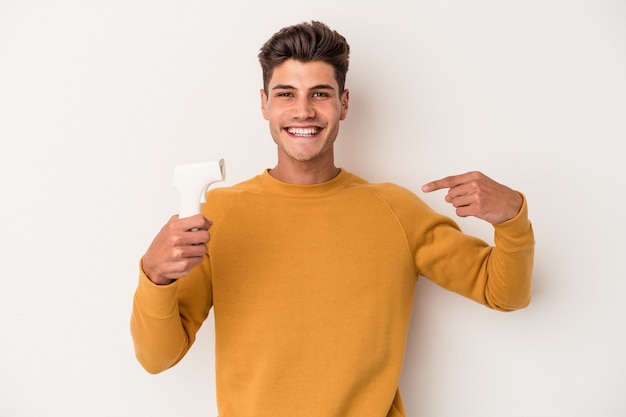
pixel 100 99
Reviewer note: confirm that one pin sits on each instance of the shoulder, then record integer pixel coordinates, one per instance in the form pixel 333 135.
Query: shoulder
pixel 390 192
pixel 399 199
pixel 220 199
pixel 416 218
pixel 250 185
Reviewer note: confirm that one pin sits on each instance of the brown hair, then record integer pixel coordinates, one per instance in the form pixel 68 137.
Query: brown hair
pixel 306 42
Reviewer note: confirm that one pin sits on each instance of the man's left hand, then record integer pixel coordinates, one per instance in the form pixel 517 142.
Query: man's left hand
pixel 475 194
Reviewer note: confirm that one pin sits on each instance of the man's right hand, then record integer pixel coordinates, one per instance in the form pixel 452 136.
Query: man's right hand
pixel 176 249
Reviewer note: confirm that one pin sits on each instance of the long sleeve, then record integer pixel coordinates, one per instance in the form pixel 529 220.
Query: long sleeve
pixel 499 276
pixel 510 264
pixel 165 319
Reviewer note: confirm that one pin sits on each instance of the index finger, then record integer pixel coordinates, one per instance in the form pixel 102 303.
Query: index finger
pixel 197 222
pixel 447 182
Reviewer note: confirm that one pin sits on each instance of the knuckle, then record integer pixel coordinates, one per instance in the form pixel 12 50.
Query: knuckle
pixel 178 253
pixel 176 240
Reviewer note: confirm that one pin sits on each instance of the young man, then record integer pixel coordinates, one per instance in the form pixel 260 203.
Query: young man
pixel 311 270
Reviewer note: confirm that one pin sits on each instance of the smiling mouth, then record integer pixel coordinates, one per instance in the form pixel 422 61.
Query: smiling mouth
pixel 303 131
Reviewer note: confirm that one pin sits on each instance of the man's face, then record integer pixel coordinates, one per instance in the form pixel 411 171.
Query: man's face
pixel 304 107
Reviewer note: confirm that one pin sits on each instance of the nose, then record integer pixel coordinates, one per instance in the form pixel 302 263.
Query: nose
pixel 303 108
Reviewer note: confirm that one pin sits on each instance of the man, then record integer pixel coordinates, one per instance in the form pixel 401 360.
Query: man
pixel 311 270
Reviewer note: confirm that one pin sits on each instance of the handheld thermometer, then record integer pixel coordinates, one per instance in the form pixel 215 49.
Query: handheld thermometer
pixel 192 181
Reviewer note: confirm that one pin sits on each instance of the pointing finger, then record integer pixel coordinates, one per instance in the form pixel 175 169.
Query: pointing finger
pixel 447 182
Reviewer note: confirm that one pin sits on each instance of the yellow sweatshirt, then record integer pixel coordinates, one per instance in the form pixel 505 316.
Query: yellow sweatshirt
pixel 312 290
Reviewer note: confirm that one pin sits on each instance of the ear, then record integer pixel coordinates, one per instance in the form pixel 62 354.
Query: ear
pixel 264 104
pixel 345 101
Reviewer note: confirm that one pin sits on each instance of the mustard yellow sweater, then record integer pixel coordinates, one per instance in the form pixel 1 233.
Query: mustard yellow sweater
pixel 312 290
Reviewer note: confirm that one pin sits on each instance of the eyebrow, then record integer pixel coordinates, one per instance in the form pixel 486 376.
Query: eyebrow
pixel 316 87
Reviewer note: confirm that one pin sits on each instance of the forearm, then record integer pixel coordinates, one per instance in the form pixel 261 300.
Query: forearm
pixel 158 333
pixel 510 264
pixel 498 277
pixel 166 318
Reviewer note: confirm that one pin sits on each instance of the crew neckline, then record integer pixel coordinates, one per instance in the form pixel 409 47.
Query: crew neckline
pixel 276 186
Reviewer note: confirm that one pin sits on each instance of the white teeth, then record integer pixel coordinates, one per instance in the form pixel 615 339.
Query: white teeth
pixel 310 131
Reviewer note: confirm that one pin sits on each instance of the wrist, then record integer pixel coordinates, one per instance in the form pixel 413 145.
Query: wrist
pixel 154 277
pixel 164 281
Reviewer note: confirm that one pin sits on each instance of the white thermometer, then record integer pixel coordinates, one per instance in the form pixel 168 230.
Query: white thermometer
pixel 192 181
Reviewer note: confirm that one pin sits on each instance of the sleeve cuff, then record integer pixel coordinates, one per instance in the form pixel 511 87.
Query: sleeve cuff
pixel 516 233
pixel 158 301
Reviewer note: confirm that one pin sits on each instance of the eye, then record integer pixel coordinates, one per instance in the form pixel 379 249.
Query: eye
pixel 320 94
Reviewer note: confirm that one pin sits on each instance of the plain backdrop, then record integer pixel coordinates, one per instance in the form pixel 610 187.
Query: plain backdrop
pixel 99 100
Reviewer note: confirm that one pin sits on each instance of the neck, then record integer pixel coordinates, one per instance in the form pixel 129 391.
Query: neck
pixel 304 173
